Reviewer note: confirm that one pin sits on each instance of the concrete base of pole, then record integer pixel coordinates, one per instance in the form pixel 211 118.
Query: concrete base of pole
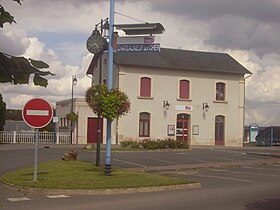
pixel 107 169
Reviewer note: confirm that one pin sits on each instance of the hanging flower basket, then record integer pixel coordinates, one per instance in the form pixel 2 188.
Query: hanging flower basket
pixel 110 104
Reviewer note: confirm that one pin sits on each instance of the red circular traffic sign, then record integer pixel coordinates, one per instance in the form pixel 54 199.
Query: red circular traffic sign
pixel 37 113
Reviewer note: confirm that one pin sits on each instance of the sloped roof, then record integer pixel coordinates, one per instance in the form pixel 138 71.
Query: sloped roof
pixel 179 59
pixel 183 59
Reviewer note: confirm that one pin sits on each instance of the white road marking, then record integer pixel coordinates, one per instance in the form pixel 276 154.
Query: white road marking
pixel 18 199
pixel 57 196
pixel 165 161
pixel 198 160
pixel 229 151
pixel 130 163
pixel 187 173
pixel 226 178
pixel 37 112
pixel 259 174
pixel 220 170
pixel 181 153
pixel 265 169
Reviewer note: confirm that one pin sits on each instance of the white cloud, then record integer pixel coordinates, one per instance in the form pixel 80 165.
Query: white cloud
pixel 59 87
pixel 248 32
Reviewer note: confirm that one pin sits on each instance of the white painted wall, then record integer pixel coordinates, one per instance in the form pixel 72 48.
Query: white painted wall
pixel 165 86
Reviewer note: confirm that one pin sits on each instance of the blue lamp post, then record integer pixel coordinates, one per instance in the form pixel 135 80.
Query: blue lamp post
pixel 108 165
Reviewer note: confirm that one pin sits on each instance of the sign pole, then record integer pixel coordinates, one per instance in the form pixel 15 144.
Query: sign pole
pixel 37 113
pixel 36 154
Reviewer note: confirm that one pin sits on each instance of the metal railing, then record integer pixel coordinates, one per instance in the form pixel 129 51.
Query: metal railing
pixel 29 137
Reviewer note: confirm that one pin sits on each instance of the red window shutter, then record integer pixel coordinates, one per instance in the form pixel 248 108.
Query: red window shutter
pixel 145 87
pixel 184 89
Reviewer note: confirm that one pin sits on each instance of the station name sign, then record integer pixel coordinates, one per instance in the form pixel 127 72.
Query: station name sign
pixel 138 44
pixel 183 108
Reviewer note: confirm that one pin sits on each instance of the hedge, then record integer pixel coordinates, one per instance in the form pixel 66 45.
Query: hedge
pixel 150 144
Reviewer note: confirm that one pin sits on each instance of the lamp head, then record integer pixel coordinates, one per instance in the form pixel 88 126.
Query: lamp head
pixel 205 107
pixel 166 104
pixel 74 80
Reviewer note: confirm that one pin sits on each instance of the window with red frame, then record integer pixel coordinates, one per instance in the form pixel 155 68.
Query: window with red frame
pixel 220 91
pixel 184 91
pixel 144 124
pixel 145 87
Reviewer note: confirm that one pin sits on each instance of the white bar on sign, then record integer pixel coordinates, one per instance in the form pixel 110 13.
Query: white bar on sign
pixel 37 112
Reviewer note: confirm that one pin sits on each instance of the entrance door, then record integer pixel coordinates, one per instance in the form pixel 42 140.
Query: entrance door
pixel 219 130
pixel 182 127
pixel 92 129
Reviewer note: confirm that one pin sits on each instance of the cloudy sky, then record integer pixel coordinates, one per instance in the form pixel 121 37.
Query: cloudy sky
pixel 56 31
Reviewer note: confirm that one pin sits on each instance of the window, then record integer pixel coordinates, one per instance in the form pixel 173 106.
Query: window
pixel 220 91
pixel 184 89
pixel 63 123
pixel 145 87
pixel 144 124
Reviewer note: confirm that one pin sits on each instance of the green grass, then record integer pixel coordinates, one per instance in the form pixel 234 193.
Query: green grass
pixel 58 174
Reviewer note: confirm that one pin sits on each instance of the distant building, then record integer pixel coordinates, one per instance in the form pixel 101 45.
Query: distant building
pixel 12 125
pixel 192 96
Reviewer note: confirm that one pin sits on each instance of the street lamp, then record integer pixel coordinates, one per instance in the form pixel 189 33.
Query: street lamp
pixel 74 82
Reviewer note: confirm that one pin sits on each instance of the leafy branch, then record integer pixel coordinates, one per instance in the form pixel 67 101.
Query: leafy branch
pixel 72 116
pixel 6 17
pixel 17 70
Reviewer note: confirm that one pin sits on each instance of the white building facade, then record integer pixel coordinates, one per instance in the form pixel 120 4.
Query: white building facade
pixel 193 96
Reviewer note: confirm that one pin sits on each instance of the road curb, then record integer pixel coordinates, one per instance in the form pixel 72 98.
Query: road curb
pixel 103 191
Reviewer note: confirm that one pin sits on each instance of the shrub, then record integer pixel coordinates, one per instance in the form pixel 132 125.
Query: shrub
pixel 182 144
pixel 70 155
pixel 162 144
pixel 130 144
pixel 171 143
pixel 150 144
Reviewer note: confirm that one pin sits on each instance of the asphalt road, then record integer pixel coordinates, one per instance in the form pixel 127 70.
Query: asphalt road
pixel 246 188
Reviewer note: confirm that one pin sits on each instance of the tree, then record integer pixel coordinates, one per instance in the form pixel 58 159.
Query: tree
pixel 17 70
pixel 2 113
pixel 14 114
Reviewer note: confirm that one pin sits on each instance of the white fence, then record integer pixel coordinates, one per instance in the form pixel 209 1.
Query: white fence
pixel 29 137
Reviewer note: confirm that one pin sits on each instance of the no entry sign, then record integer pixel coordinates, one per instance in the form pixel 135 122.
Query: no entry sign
pixel 37 113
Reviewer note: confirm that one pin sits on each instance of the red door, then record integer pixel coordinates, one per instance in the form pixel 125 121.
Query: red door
pixel 92 129
pixel 182 127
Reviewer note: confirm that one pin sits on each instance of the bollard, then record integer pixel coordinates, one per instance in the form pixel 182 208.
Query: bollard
pixel 108 169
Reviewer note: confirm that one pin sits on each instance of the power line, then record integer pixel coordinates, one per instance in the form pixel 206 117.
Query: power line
pixel 130 17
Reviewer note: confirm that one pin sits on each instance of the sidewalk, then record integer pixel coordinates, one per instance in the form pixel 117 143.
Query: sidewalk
pixel 17 146
pixel 254 150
